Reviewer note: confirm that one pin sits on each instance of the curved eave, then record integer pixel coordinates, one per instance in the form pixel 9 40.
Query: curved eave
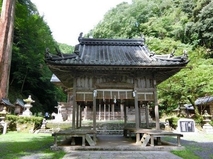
pixel 155 64
pixel 161 73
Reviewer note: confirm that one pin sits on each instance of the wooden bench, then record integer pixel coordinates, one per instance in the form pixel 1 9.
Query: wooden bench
pixel 150 135
pixel 158 135
pixel 85 134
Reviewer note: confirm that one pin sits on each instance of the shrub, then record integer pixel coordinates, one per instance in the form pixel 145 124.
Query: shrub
pixel 23 123
pixel 173 121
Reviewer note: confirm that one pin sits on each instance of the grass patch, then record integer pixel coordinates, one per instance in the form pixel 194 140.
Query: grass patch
pixel 185 154
pixel 16 145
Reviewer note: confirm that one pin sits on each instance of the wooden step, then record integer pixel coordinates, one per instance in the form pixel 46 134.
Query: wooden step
pixel 145 139
pixel 89 140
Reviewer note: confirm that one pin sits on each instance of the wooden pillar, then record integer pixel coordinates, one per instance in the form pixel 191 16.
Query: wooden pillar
pixel 135 94
pixel 85 112
pixel 108 111
pixel 6 42
pixel 139 113
pixel 94 109
pixel 77 116
pixel 113 111
pixel 94 113
pixel 99 117
pixel 147 115
pixel 104 111
pixel 81 108
pixel 125 115
pixel 69 95
pixel 136 110
pixel 70 102
pixel 74 103
pixel 156 107
pixel 122 111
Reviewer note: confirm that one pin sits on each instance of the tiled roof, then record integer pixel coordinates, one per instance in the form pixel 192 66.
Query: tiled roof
pixel 114 52
pixel 6 102
pixel 19 102
pixel 204 100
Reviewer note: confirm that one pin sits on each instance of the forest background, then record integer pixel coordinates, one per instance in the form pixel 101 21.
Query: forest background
pixel 167 25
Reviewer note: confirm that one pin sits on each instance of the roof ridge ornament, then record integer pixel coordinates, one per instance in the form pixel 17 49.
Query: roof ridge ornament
pixel 152 53
pixel 80 37
pixel 48 55
pixel 59 52
pixel 185 54
pixel 143 38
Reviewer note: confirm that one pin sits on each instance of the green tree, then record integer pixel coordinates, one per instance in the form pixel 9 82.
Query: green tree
pixel 29 73
pixel 64 48
pixel 169 24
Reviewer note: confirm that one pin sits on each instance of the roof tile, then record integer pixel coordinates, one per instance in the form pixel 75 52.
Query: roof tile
pixel 114 52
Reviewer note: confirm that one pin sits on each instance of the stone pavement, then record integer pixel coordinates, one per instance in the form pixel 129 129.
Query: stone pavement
pixel 120 155
pixel 118 147
pixel 196 141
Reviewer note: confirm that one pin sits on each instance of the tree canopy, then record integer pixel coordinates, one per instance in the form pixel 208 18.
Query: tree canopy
pixel 29 73
pixel 168 25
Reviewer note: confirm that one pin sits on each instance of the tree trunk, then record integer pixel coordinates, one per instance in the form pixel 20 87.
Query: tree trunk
pixel 194 106
pixel 6 39
pixel 22 86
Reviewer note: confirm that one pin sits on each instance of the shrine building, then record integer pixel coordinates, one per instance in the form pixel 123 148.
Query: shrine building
pixel 112 75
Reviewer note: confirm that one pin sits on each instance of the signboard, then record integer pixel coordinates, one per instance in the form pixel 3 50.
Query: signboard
pixel 186 125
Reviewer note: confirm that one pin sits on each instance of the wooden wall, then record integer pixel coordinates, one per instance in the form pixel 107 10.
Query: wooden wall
pixel 109 87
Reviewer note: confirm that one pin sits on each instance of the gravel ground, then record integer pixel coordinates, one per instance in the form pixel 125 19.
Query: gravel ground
pixel 200 143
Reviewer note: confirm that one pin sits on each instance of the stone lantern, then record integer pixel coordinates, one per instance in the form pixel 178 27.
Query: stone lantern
pixel 28 105
pixel 206 119
pixel 2 120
